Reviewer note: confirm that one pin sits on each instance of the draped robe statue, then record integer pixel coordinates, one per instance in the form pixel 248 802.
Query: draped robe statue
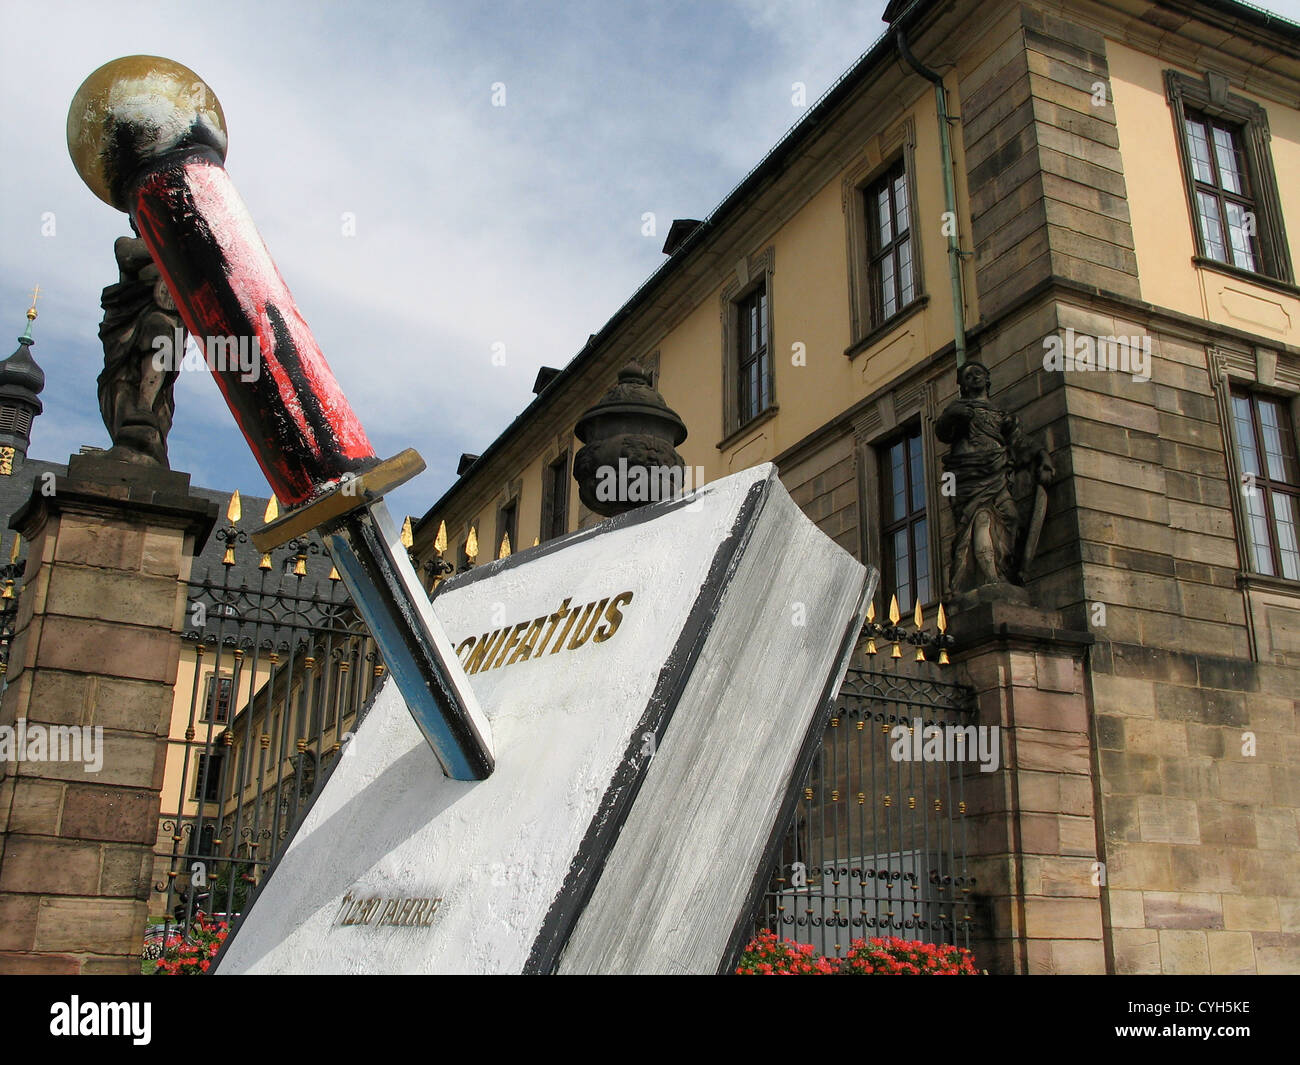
pixel 135 396
pixel 988 448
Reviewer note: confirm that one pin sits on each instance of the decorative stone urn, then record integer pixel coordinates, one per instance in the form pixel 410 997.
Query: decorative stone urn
pixel 629 456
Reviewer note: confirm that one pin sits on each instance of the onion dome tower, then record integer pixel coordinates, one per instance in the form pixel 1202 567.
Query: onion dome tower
pixel 21 383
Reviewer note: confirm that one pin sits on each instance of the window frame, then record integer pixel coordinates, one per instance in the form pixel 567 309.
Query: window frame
pixel 888 526
pixel 214 776
pixel 1261 480
pixel 1209 98
pixel 755 304
pixel 228 683
pixel 883 154
pixel 507 524
pixel 751 273
pixel 877 253
pixel 555 496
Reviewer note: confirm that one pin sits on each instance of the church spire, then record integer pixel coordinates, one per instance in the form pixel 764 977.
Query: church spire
pixel 21 382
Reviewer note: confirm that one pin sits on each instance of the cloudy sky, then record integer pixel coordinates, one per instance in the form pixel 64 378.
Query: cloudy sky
pixel 475 225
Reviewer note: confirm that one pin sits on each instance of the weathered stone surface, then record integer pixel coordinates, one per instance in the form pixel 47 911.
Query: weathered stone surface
pixel 1182 909
pixel 17 922
pixel 1168 820
pixel 1253 914
pixel 1063 918
pixel 90 924
pixel 111 546
pixel 1231 953
pixel 1126 909
pixel 34 864
pixel 104 812
pixel 1184 952
pixel 19 964
pixel 1137 951
pixel 36 806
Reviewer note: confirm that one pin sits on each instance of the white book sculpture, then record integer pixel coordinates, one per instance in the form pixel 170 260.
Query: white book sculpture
pixel 656 687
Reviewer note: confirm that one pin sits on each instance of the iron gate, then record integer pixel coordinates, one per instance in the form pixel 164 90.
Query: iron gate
pixel 877 846
pixel 280 671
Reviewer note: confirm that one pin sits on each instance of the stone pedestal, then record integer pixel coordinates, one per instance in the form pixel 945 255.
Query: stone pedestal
pixel 92 669
pixel 1033 841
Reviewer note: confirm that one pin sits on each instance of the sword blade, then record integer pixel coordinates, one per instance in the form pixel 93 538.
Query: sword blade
pixel 377 572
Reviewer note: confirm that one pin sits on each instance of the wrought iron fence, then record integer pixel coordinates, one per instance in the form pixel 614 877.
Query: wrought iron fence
pixel 280 670
pixel 877 843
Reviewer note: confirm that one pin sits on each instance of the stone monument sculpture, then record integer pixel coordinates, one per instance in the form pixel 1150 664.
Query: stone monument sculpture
pixel 988 449
pixel 136 388
pixel 594 775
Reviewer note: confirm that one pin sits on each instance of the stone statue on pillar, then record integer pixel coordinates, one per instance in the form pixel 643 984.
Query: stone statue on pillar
pixel 135 396
pixel 992 546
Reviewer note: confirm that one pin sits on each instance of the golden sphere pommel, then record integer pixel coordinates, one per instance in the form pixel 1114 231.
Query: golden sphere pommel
pixel 133 111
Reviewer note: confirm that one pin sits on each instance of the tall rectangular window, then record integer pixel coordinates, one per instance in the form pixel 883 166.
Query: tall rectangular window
pixel 208 788
pixel 889 233
pixel 555 498
pixel 1225 202
pixel 753 361
pixel 904 534
pixel 216 700
pixel 507 526
pixel 1266 454
pixel 1232 191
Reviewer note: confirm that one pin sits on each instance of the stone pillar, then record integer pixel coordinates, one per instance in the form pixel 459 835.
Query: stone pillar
pixel 1033 832
pixel 93 662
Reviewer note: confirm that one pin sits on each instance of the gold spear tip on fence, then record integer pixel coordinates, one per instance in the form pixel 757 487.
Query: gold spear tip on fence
pixel 13 551
pixel 440 541
pixel 408 534
pixel 471 544
pixel 272 510
pixel 505 546
pixel 234 509
pixel 871 621
pixel 894 615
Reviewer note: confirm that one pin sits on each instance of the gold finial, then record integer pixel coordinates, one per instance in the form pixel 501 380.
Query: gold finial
pixel 894 615
pixel 266 561
pixel 919 618
pixel 31 311
pixel 505 546
pixel 234 510
pixel 13 551
pixel 471 544
pixel 272 510
pixel 300 566
pixel 408 534
pixel 334 574
pixel 537 541
pixel 871 620
pixel 440 541
pixel 943 627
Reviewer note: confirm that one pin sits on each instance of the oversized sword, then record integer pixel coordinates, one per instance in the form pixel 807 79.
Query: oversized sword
pixel 149 137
